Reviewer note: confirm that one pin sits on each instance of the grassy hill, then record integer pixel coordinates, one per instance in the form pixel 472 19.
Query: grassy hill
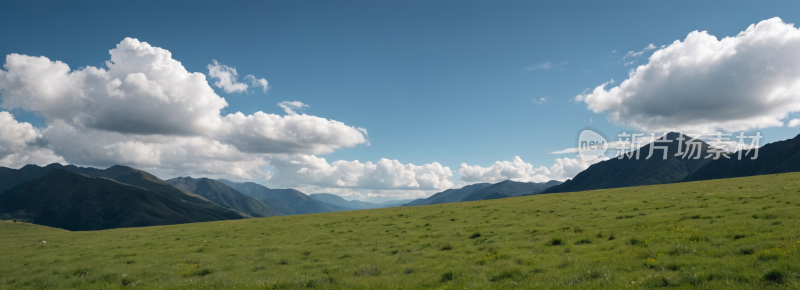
pixel 727 233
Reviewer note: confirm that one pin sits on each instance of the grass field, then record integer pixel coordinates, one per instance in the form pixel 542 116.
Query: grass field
pixel 731 233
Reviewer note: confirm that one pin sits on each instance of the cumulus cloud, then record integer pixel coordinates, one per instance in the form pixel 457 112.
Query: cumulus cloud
pixel 794 123
pixel 147 110
pixel 21 144
pixel 269 133
pixel 748 81
pixel 226 78
pixel 291 108
pixel 518 170
pixel 256 82
pixel 385 174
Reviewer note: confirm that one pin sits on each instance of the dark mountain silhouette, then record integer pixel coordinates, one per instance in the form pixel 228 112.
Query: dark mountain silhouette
pixel 509 188
pixel 450 195
pixel 777 157
pixel 629 171
pixel 220 193
pixel 296 200
pixel 79 202
pixel 13 177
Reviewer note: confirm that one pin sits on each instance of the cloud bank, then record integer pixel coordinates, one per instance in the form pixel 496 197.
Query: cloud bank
pixel 748 81
pixel 145 109
pixel 518 170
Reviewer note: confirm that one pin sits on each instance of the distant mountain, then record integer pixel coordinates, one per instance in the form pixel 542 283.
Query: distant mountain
pixel 279 206
pixel 222 194
pixel 338 201
pixel 13 177
pixel 395 202
pixel 629 171
pixel 78 202
pixel 776 157
pixel 296 200
pixel 509 188
pixel 450 195
pixel 483 191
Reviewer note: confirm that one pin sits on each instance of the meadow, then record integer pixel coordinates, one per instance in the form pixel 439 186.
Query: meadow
pixel 718 234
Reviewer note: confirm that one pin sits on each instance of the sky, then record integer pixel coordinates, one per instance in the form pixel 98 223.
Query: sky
pixel 379 100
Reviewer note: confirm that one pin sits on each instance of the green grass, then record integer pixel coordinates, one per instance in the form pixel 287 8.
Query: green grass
pixel 740 233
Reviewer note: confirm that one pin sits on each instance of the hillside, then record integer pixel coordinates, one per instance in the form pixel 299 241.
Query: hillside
pixel 78 202
pixel 776 157
pixel 509 188
pixel 299 202
pixel 222 194
pixel 450 195
pixel 629 171
pixel 13 177
pixel 719 234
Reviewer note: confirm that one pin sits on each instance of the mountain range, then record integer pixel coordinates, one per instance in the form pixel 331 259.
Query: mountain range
pixel 220 193
pixel 632 171
pixel 484 191
pixel 339 202
pixel 76 201
pixel 295 200
pixel 85 198
pixel 777 157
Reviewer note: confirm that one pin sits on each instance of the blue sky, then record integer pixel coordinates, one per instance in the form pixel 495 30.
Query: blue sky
pixel 431 81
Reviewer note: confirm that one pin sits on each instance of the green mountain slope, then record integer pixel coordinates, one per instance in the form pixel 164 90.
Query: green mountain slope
pixel 450 195
pixel 279 206
pixel 13 177
pixel 222 194
pixel 509 188
pixel 78 202
pixel 296 200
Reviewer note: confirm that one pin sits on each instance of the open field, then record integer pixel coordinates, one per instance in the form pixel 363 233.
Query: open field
pixel 728 233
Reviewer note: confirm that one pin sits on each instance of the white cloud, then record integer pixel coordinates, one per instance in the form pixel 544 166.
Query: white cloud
pixel 748 81
pixel 542 100
pixel 546 65
pixel 270 133
pixel 226 78
pixel 292 107
pixel 300 170
pixel 518 170
pixel 146 110
pixel 638 53
pixel 794 123
pixel 21 144
pixel 263 83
